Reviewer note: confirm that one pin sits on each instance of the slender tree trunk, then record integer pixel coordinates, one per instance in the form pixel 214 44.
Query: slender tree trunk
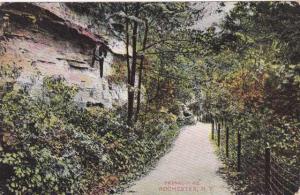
pixel 157 92
pixel 141 72
pixel 133 70
pixel 127 49
pixel 158 88
pixel 129 115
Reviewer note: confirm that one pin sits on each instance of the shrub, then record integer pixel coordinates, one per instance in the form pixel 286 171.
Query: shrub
pixel 49 145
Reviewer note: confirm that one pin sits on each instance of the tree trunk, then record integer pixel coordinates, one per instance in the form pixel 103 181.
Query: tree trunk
pixel 133 70
pixel 141 72
pixel 158 88
pixel 127 49
pixel 129 115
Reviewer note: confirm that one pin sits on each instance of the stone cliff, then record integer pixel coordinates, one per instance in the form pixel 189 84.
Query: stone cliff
pixel 49 39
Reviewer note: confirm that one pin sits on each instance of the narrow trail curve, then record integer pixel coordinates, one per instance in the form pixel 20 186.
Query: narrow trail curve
pixel 189 168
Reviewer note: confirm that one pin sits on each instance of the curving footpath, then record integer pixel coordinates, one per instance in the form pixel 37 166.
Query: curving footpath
pixel 189 168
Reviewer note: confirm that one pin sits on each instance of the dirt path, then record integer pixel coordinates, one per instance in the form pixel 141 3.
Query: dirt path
pixel 189 168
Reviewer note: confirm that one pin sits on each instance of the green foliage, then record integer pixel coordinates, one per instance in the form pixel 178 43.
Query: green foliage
pixel 46 153
pixel 51 145
pixel 61 148
pixel 254 81
pixel 248 74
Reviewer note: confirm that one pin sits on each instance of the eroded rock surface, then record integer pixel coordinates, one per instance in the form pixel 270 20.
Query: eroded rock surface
pixel 48 39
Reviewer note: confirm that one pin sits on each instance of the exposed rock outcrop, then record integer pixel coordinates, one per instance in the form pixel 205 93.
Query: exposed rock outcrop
pixel 184 113
pixel 48 39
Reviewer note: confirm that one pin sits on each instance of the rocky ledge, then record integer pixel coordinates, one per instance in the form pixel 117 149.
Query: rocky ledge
pixel 48 39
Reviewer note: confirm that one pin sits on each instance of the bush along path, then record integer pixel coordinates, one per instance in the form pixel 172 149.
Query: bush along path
pixel 261 171
pixel 189 168
pixel 50 145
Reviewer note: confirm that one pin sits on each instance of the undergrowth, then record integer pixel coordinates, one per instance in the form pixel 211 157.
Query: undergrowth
pixel 50 145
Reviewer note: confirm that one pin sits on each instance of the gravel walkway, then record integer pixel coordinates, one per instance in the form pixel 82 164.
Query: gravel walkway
pixel 189 168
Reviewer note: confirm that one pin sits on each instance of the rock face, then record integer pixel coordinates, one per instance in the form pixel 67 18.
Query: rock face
pixel 212 14
pixel 48 39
